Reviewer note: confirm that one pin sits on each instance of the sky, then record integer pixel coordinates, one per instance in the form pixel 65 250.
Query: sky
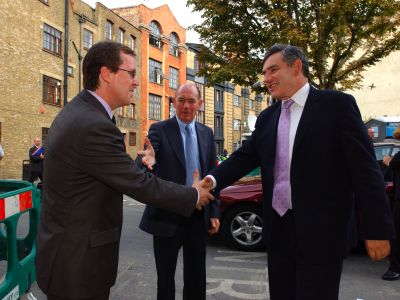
pixel 183 14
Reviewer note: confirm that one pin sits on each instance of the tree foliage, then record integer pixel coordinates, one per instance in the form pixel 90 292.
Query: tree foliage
pixel 341 38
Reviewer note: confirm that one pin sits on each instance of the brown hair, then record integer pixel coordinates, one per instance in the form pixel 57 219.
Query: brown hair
pixel 396 133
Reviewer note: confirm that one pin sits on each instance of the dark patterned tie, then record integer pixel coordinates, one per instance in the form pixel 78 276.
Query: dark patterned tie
pixel 280 197
pixel 189 156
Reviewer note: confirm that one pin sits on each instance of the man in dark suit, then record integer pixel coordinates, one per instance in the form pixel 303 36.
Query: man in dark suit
pixel 315 160
pixel 170 232
pixel 36 155
pixel 86 173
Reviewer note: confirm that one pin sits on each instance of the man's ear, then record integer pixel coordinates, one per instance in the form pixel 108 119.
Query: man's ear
pixel 298 66
pixel 105 74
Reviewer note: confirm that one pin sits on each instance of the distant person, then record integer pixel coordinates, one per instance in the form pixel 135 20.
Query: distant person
pixel 225 153
pixel 308 194
pixel 181 145
pixel 393 272
pixel 1 152
pixel 371 134
pixel 36 156
pixel 86 173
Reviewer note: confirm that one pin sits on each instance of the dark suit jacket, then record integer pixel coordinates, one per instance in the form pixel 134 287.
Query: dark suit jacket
pixel 86 173
pixel 36 163
pixel 332 162
pixel 166 140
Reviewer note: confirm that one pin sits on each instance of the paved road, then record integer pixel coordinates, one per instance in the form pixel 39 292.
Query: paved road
pixel 230 274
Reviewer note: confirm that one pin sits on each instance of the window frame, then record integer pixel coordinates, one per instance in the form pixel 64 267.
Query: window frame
pixel 50 87
pixel 173 78
pixel 85 42
pixel 154 76
pixel 108 30
pixel 155 107
pixel 52 39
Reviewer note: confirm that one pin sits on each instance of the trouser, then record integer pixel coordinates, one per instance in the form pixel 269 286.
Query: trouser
pixel 291 276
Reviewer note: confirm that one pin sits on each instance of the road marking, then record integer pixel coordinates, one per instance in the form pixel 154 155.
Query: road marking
pixel 226 286
pixel 249 270
pixel 245 257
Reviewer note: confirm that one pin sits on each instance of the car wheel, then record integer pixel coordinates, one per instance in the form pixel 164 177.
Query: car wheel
pixel 242 227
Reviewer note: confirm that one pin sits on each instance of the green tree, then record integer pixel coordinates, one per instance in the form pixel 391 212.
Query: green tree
pixel 341 38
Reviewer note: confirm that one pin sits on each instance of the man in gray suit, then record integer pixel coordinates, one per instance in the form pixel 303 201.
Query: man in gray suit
pixel 86 173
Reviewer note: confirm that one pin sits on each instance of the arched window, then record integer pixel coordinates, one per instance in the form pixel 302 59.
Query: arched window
pixel 173 44
pixel 155 34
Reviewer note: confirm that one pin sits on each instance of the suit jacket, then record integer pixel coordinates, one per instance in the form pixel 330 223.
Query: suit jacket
pixel 36 163
pixel 395 166
pixel 166 140
pixel 332 164
pixel 86 173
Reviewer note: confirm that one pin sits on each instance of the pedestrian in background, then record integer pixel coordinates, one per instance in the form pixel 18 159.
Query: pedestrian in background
pixel 393 272
pixel 36 156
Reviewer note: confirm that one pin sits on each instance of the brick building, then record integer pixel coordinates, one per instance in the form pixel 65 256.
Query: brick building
pixel 38 74
pixel 163 59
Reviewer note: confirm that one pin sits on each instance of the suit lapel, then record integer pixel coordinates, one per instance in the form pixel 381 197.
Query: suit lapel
pixel 88 97
pixel 309 113
pixel 202 145
pixel 175 140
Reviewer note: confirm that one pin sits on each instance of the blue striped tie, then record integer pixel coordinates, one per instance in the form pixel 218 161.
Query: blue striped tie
pixel 189 156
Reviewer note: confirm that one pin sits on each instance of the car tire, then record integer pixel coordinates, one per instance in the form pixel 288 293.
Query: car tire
pixel 242 227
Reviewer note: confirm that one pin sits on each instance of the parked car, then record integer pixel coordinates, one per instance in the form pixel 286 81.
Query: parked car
pixel 241 215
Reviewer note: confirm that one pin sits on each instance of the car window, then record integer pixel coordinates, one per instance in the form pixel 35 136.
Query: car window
pixel 381 151
pixel 395 150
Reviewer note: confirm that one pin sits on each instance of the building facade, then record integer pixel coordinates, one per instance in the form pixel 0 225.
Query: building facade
pixel 163 53
pixel 40 64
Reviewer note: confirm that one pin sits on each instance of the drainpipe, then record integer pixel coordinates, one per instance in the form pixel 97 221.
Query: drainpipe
pixel 66 39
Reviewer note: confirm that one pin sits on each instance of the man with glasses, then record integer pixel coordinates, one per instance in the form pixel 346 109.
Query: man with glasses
pixel 86 173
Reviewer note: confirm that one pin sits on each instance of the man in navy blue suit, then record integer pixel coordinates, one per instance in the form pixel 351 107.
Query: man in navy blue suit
pixel 182 145
pixel 316 160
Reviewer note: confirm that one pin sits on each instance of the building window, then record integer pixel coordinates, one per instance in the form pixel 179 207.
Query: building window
pixel 236 100
pixel 52 39
pixel 131 112
pixel 219 126
pixel 173 44
pixel 45 1
pixel 251 104
pixel 155 34
pixel 133 41
pixel 45 133
pixel 108 30
pixel 154 107
pixel 51 91
pixel 87 39
pixel 218 100
pixel 173 78
pixel 219 145
pixel 132 138
pixel 121 35
pixel 236 124
pixel 155 71
pixel 120 111
pixel 70 71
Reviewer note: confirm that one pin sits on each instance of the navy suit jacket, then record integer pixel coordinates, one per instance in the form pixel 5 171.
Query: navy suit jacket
pixel 166 140
pixel 333 164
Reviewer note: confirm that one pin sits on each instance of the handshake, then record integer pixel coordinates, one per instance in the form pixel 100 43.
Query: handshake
pixel 204 188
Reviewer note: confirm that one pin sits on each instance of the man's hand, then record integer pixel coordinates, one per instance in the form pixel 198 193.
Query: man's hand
pixel 214 226
pixel 148 155
pixel 41 155
pixel 204 191
pixel 377 249
pixel 207 183
pixel 386 160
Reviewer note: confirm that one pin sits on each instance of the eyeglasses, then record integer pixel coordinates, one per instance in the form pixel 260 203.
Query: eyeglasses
pixel 132 73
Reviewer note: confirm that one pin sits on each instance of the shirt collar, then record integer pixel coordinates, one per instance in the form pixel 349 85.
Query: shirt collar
pixel 300 97
pixel 104 103
pixel 182 124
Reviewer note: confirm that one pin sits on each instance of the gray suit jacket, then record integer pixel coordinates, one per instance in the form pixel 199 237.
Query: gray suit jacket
pixel 86 173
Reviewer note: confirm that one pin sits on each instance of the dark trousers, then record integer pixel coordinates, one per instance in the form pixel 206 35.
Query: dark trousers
pixel 104 296
pixel 291 277
pixel 193 240
pixel 395 243
pixel 33 175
